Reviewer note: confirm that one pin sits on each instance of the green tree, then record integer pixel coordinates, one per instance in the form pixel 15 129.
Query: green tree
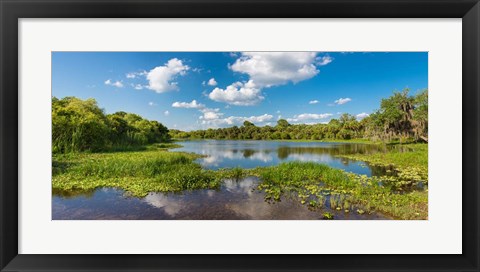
pixel 78 125
pixel 420 115
pixel 400 116
pixel 282 123
pixel 248 124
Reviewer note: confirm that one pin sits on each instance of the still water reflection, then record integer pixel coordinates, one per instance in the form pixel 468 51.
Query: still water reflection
pixel 235 199
pixel 251 154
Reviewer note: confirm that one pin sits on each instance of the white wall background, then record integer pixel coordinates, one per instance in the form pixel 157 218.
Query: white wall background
pixel 440 234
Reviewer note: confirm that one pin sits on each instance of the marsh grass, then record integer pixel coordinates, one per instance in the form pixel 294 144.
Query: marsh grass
pixel 409 162
pixel 171 145
pixel 235 174
pixel 319 185
pixel 155 169
pixel 152 170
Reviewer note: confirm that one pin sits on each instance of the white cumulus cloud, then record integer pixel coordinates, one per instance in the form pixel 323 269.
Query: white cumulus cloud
pixel 238 93
pixel 160 79
pixel 342 101
pixel 268 69
pixel 362 115
pixel 321 61
pixel 117 83
pixel 309 116
pixel 258 119
pixel 212 82
pixel 210 114
pixel 237 120
pixel 166 113
pixel 137 86
pixel 132 75
pixel 313 102
pixel 188 105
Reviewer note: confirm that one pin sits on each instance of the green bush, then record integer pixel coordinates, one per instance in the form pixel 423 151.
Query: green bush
pixel 80 125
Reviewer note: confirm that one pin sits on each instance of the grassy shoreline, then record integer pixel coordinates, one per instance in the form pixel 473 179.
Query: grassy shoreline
pixel 315 184
pixel 411 167
pixel 155 169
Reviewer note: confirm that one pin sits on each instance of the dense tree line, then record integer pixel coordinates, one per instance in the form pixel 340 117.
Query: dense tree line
pixel 400 117
pixel 80 125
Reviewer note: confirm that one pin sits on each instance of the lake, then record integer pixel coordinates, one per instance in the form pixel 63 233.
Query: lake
pixel 251 154
pixel 235 199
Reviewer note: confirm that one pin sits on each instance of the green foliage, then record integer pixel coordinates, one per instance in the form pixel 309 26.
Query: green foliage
pixel 152 170
pixel 77 125
pixel 327 216
pixel 401 117
pixel 409 162
pixel 282 123
pixel 320 185
pixel 248 124
pixel 315 185
pixel 420 114
pixel 80 125
pixel 135 159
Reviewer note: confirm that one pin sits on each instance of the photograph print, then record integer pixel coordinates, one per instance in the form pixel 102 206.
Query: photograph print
pixel 239 135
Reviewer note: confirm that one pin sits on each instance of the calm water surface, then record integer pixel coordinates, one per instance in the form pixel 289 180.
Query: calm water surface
pixel 251 154
pixel 235 199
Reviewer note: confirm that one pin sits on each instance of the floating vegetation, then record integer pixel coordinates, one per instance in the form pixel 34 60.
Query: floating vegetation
pixel 327 216
pixel 406 167
pixel 153 170
pixel 316 186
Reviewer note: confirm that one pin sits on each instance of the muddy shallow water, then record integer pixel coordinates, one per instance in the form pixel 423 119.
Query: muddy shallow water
pixel 234 200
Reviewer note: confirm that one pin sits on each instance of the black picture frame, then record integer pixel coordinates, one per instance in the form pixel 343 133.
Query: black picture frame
pixel 12 10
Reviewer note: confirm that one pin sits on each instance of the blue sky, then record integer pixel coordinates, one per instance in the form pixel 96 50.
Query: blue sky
pixel 199 90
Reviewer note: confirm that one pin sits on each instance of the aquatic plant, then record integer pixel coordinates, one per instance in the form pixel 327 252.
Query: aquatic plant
pixel 155 169
pixel 327 216
pixel 345 191
pixel 410 165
